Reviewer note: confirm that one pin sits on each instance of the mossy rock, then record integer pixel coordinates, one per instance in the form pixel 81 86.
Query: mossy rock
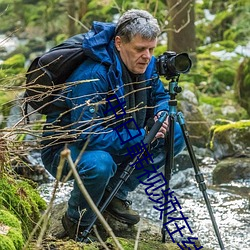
pixel 232 139
pixel 242 85
pixel 21 199
pixel 224 75
pixel 127 244
pixel 219 107
pixel 16 61
pixel 11 237
pixel 13 70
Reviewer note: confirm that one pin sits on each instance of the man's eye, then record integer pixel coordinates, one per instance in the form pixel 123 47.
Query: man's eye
pixel 139 50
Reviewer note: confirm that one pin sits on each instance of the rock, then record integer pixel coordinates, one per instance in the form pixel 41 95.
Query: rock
pixel 242 84
pixel 190 96
pixel 149 237
pixel 181 179
pixel 197 125
pixel 231 169
pixel 232 139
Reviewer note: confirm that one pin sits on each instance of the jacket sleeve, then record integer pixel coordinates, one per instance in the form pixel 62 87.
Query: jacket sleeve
pixel 89 121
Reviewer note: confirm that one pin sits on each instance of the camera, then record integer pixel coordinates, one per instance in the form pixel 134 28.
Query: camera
pixel 171 65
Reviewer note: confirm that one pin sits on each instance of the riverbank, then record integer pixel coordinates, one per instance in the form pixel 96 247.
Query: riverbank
pixel 146 235
pixel 229 202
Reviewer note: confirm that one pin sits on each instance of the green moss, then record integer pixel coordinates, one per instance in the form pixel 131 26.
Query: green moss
pixel 225 75
pixel 16 61
pixel 128 244
pixel 6 243
pixel 16 237
pixel 13 71
pixel 228 45
pixel 9 219
pixel 21 199
pixel 212 100
pixel 239 128
pixel 235 125
pixel 13 239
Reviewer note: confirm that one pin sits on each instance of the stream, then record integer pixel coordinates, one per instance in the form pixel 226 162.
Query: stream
pixel 230 204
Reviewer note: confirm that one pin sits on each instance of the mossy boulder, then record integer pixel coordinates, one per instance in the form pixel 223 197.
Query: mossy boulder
pixel 22 200
pixel 11 237
pixel 224 75
pixel 13 70
pixel 231 139
pixel 242 85
pixel 219 107
pixel 197 125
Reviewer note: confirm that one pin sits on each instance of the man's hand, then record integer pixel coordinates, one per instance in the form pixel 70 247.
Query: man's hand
pixel 164 128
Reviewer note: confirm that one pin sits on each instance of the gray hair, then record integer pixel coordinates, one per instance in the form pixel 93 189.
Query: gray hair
pixel 137 22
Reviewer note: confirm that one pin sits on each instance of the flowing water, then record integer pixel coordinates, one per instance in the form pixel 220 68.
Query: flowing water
pixel 230 204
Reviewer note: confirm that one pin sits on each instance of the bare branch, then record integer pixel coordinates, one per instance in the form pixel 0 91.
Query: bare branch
pixel 66 154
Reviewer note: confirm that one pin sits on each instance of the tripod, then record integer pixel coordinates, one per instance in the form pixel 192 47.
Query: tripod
pixel 173 90
pixel 128 170
pixel 169 163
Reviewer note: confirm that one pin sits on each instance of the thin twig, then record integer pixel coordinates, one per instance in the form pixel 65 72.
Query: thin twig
pixel 66 154
pixel 99 238
pixel 77 21
pixel 137 236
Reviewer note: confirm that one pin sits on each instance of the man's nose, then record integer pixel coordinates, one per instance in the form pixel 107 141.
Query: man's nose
pixel 146 54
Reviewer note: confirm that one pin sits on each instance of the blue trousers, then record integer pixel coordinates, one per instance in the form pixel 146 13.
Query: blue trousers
pixel 99 170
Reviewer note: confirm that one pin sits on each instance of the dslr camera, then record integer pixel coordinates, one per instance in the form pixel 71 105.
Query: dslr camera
pixel 171 65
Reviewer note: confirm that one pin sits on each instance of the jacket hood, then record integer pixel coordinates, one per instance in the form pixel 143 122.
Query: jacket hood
pixel 98 43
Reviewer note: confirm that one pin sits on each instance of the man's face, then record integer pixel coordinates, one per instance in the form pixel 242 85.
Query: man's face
pixel 137 53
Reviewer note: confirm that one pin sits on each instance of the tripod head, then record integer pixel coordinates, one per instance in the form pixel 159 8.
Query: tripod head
pixel 174 89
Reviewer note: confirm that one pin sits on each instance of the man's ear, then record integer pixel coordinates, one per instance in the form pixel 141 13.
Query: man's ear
pixel 118 42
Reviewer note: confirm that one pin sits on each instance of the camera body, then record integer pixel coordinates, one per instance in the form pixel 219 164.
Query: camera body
pixel 171 65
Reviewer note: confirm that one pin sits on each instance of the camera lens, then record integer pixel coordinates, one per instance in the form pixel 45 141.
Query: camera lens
pixel 182 63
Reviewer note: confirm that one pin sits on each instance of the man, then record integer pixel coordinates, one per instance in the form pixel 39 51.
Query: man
pixel 124 86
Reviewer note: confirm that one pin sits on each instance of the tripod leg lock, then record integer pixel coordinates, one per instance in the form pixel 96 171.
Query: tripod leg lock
pixel 200 180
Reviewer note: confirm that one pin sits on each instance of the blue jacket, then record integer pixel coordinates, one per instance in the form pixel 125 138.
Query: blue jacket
pixel 86 101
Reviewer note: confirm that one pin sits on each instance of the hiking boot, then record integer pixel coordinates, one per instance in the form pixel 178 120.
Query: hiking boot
pixel 75 231
pixel 121 211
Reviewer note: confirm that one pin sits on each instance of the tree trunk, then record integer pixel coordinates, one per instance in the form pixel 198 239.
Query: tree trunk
pixel 71 6
pixel 181 27
pixel 83 7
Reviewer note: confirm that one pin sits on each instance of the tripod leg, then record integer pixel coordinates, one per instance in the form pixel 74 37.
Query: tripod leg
pixel 128 171
pixel 168 168
pixel 199 176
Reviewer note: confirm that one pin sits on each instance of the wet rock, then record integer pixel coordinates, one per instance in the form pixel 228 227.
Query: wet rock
pixel 231 169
